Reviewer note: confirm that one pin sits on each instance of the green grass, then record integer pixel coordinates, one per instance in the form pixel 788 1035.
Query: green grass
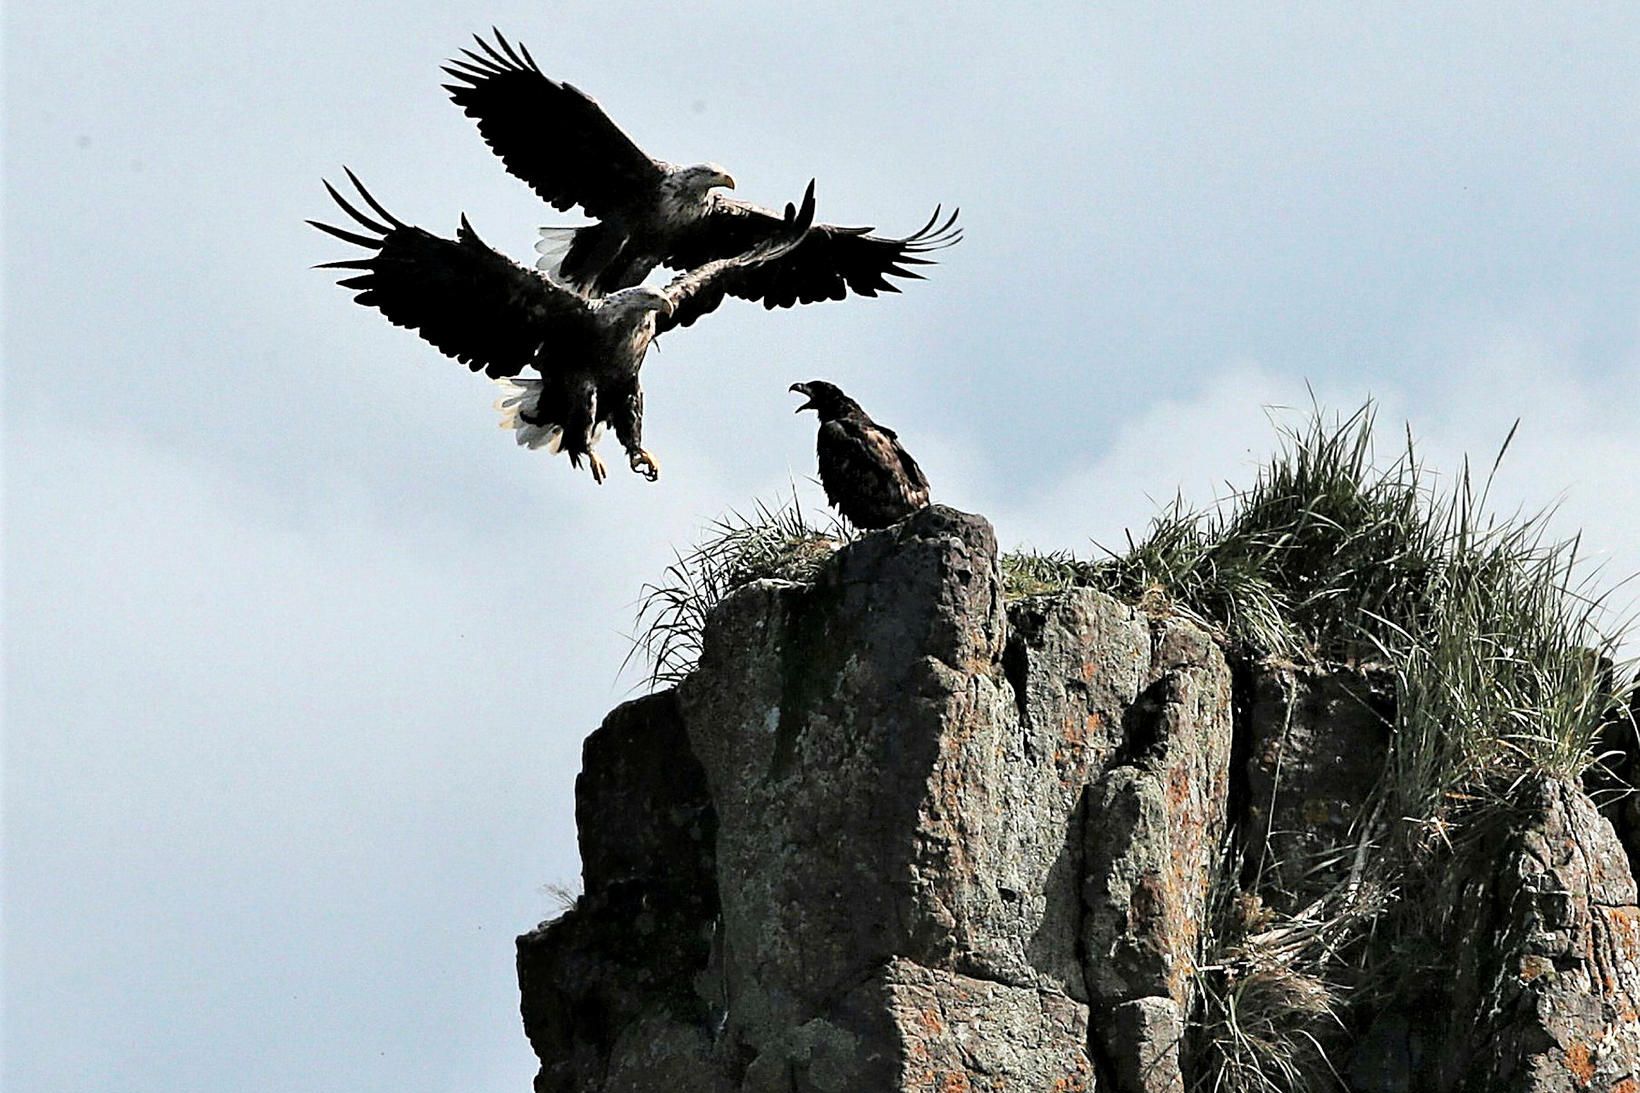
pixel 1504 673
pixel 775 541
pixel 1505 670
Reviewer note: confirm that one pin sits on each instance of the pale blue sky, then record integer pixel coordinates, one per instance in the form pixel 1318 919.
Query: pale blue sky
pixel 300 649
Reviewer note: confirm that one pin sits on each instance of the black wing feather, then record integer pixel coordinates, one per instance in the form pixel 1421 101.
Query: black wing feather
pixel 829 264
pixel 471 302
pixel 550 134
pixel 699 291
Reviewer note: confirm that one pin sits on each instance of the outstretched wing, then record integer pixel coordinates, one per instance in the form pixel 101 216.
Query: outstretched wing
pixel 550 134
pixel 474 304
pixel 829 264
pixel 702 289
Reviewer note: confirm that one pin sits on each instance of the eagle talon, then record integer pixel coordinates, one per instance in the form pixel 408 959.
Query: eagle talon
pixel 599 473
pixel 645 464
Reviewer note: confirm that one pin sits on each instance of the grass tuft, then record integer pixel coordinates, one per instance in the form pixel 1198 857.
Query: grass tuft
pixel 776 541
pixel 1493 632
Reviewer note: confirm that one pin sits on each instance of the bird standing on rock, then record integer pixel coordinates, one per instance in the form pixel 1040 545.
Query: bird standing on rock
pixel 867 475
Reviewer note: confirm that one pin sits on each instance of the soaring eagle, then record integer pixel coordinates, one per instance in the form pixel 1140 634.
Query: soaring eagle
pixel 867 475
pixel 561 143
pixel 490 313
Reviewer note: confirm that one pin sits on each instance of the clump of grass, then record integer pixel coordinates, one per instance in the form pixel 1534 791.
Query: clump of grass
pixel 1493 633
pixel 1266 1001
pixel 563 898
pixel 1271 1019
pixel 1302 562
pixel 1503 675
pixel 776 540
pixel 1492 628
pixel 1027 573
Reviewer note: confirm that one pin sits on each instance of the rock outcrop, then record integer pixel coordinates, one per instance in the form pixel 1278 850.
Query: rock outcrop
pixel 895 834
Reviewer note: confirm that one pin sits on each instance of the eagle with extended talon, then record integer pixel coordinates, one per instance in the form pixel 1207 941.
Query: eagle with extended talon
pixel 867 475
pixel 494 315
pixel 651 213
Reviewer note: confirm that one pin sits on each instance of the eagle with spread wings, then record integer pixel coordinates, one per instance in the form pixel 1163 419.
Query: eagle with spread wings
pixel 492 314
pixel 650 213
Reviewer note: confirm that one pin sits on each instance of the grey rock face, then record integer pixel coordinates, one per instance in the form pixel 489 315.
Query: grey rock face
pixel 1156 817
pixel 1136 715
pixel 1317 737
pixel 896 780
pixel 1608 781
pixel 838 724
pixel 893 834
pixel 610 987
pixel 1547 996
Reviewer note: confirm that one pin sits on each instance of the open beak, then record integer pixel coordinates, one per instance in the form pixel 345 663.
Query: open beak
pixel 802 389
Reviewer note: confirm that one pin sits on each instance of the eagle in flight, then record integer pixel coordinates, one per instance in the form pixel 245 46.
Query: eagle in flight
pixel 867 475
pixel 494 315
pixel 650 213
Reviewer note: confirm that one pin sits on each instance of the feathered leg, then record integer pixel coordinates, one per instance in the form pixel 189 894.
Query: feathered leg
pixel 580 430
pixel 626 414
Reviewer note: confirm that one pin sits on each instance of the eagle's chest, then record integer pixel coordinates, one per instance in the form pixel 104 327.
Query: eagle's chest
pixel 838 456
pixel 627 343
pixel 675 211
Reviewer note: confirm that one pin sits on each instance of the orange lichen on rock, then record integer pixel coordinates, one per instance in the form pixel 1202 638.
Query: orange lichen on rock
pixel 1531 967
pixel 1580 1061
pixel 1625 927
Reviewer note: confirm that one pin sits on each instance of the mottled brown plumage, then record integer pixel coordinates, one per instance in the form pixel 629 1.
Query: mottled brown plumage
pixel 867 475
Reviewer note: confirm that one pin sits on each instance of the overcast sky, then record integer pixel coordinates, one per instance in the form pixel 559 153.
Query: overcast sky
pixel 300 649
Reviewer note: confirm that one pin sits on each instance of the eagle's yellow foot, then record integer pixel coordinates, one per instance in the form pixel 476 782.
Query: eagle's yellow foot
pixel 598 471
pixel 645 464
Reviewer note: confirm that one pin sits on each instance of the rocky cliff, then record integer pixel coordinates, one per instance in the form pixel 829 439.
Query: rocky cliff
pixel 895 833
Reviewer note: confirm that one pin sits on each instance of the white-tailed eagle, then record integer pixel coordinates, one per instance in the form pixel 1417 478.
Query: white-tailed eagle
pixel 867 475
pixel 560 142
pixel 496 316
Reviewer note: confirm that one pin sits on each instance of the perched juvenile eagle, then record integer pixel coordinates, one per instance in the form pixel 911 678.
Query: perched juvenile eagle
pixel 559 141
pixel 867 476
pixel 490 313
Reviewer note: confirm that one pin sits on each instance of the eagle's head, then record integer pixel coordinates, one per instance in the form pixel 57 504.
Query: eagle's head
pixel 703 177
pixel 637 300
pixel 825 399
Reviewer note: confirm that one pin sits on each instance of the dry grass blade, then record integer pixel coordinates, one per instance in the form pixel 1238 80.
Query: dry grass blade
pixel 1504 672
pixel 775 541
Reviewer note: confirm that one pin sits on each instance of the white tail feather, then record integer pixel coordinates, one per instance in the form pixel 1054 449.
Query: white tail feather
pixel 553 245
pixel 520 398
